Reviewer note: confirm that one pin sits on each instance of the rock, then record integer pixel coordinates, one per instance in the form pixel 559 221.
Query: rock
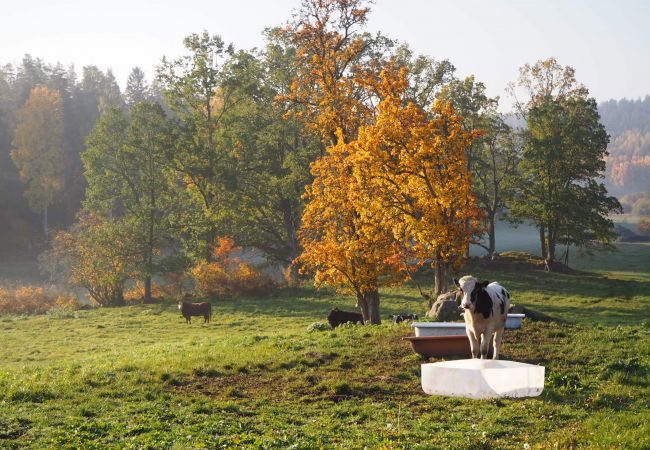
pixel 517 309
pixel 531 314
pixel 446 307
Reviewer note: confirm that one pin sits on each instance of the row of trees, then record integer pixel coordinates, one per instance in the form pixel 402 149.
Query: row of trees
pixel 404 164
pixel 46 112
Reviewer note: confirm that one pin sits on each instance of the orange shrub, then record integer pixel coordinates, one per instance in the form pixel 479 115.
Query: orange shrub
pixel 136 293
pixel 66 301
pixel 33 300
pixel 227 276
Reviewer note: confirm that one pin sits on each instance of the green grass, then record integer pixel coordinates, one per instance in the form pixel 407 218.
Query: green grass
pixel 139 377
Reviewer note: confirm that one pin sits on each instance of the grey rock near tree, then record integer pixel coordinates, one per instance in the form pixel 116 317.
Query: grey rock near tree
pixel 446 307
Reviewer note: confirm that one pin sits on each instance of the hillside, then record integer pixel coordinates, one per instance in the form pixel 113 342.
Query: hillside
pixel 628 164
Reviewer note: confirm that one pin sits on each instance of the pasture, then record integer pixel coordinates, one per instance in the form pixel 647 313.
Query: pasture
pixel 139 377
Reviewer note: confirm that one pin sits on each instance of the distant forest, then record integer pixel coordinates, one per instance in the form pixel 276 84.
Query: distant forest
pixel 628 164
pixel 84 97
pixel 87 94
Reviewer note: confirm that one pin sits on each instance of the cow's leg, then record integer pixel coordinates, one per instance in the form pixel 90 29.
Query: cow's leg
pixel 473 343
pixel 498 335
pixel 485 343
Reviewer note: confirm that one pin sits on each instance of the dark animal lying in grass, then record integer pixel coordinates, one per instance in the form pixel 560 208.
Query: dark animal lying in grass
pixel 486 308
pixel 195 309
pixel 398 318
pixel 337 317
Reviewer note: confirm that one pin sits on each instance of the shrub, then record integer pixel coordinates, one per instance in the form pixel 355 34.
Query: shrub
pixel 66 302
pixel 33 300
pixel 97 254
pixel 318 326
pixel 227 275
pixel 136 293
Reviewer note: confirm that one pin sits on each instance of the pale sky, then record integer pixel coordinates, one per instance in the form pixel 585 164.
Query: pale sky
pixel 608 42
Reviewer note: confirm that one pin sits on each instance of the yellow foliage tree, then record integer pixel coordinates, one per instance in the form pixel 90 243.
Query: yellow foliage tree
pixel 330 54
pixel 38 152
pixel 412 165
pixel 344 245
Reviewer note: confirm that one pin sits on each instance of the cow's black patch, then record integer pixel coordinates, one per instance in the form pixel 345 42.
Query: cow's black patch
pixel 503 306
pixel 482 302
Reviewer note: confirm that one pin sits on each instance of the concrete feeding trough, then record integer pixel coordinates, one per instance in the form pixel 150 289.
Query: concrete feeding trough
pixel 482 378
pixel 438 328
pixel 513 321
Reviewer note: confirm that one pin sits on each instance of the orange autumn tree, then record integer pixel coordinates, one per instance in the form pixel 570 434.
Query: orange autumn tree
pixel 331 53
pixel 413 166
pixel 343 245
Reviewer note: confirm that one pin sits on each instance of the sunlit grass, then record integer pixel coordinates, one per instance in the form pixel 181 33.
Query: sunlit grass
pixel 139 377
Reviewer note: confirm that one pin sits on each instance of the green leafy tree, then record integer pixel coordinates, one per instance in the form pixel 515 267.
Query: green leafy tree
pixel 38 152
pixel 559 185
pixel 126 168
pixel 270 156
pixel 196 92
pixel 492 156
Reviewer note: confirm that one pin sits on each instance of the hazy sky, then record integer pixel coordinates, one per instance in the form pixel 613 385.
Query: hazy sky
pixel 608 42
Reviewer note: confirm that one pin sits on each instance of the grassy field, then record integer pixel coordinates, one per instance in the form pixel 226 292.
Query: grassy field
pixel 139 377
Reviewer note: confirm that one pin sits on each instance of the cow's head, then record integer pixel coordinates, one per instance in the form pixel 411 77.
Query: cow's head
pixel 470 287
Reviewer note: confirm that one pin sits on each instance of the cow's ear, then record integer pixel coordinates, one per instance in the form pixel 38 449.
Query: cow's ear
pixel 483 284
pixel 456 282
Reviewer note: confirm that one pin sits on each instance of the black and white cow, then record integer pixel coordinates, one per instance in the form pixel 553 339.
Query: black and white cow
pixel 486 309
pixel 403 317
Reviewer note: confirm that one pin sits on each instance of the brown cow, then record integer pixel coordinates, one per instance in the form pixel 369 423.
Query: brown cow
pixel 195 309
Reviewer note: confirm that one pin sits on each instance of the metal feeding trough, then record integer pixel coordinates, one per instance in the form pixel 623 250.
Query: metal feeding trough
pixel 482 378
pixel 436 346
pixel 436 339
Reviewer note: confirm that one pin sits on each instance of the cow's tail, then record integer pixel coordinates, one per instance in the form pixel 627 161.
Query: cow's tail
pixel 209 312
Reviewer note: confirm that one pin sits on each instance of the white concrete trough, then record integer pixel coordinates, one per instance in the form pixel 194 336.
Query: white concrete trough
pixel 513 321
pixel 438 328
pixel 482 378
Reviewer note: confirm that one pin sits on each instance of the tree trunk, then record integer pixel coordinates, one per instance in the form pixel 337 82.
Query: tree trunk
pixel 147 289
pixel 363 306
pixel 542 241
pixel 441 281
pixel 550 244
pixel 491 237
pixel 45 225
pixel 210 241
pixel 291 275
pixel 372 303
